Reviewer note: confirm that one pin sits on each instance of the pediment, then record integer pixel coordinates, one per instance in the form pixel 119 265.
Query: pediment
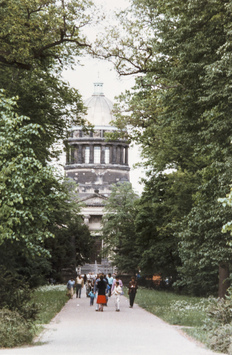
pixel 95 200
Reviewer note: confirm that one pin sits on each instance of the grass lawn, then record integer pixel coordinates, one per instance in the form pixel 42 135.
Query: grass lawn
pixel 50 300
pixel 185 311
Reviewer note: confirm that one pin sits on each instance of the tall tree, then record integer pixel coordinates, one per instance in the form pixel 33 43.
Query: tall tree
pixel 119 234
pixel 38 40
pixel 181 109
pixel 37 32
pixel 35 203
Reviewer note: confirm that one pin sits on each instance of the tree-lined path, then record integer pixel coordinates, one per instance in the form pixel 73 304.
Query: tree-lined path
pixel 78 329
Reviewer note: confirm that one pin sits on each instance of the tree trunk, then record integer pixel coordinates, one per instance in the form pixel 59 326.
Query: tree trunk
pixel 224 282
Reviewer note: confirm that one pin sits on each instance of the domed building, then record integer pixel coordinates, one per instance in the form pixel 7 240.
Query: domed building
pixel 95 163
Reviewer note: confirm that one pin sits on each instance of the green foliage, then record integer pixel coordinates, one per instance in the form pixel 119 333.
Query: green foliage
pixel 42 30
pixel 180 113
pixel 29 191
pixel 48 101
pixel 35 205
pixel 72 244
pixel 218 324
pixel 50 300
pixel 119 228
pixel 173 308
pixel 16 295
pixel 37 42
pixel 14 329
pixel 209 318
pixel 166 198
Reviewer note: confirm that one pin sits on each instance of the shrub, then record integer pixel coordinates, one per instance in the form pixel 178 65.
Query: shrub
pixel 220 338
pixel 14 329
pixel 219 324
pixel 16 295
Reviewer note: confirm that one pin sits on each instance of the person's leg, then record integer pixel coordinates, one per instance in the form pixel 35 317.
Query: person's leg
pixel 115 302
pixel 118 303
pixel 132 299
pixel 97 307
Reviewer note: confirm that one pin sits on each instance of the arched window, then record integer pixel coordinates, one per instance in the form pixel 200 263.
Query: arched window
pixel 97 155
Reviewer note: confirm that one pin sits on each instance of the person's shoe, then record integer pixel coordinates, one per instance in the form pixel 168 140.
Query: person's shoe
pixel 117 310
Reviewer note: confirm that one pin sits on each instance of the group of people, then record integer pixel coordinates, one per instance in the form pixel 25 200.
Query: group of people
pixel 101 287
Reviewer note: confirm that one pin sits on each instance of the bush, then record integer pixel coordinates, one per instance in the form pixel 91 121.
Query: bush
pixel 16 295
pixel 220 338
pixel 219 324
pixel 14 329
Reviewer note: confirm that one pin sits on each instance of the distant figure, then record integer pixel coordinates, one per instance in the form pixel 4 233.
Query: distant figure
pixel 91 296
pixel 117 293
pixel 79 285
pixel 110 283
pixel 101 298
pixel 70 287
pixel 88 287
pixel 132 290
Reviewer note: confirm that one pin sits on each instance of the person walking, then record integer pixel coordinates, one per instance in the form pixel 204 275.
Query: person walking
pixel 117 279
pixel 117 293
pixel 91 296
pixel 101 298
pixel 132 290
pixel 110 283
pixel 79 285
pixel 70 287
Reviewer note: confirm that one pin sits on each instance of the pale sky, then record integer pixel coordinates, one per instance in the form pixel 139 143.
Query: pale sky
pixel 91 70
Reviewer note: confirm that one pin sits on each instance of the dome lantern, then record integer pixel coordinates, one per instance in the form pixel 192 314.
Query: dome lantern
pixel 98 89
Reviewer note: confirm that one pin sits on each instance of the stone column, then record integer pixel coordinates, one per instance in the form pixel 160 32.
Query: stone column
pixel 114 154
pixel 102 154
pixel 111 154
pixel 86 219
pixel 118 154
pixel 75 147
pixel 80 158
pixel 91 154
pixel 126 155
pixel 121 155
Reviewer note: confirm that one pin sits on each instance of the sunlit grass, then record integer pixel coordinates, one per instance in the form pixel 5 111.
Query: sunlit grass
pixel 50 300
pixel 173 308
pixel 184 311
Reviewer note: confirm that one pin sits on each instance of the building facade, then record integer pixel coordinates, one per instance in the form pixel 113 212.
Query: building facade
pixel 96 163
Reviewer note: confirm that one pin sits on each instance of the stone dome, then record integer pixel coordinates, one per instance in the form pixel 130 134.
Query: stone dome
pixel 99 108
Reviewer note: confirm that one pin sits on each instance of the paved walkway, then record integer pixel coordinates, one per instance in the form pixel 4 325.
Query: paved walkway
pixel 79 329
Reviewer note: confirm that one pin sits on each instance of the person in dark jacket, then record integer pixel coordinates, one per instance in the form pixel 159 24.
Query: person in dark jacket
pixel 132 291
pixel 101 285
